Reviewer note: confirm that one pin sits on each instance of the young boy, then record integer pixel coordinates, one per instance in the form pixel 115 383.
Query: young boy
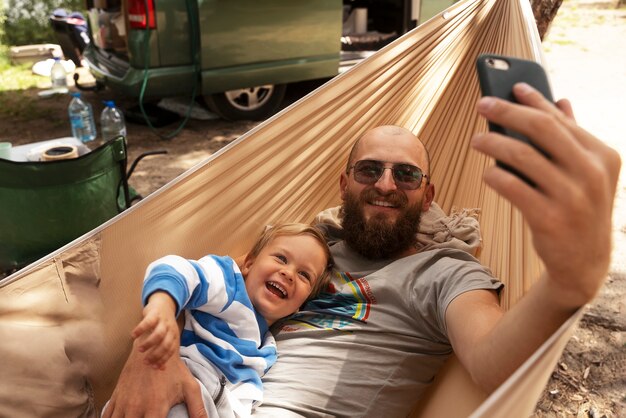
pixel 228 310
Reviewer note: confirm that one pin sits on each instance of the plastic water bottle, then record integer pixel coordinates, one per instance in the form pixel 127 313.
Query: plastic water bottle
pixel 58 75
pixel 81 118
pixel 112 122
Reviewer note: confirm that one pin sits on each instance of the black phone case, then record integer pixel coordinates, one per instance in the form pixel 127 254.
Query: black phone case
pixel 499 83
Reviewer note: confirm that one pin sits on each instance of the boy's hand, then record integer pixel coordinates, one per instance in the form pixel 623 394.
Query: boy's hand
pixel 157 334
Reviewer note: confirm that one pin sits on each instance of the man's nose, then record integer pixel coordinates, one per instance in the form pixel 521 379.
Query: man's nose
pixel 386 181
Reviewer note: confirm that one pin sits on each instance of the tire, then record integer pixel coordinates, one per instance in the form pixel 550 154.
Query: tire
pixel 254 103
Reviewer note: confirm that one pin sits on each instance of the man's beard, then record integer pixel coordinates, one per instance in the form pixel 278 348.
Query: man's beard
pixel 379 238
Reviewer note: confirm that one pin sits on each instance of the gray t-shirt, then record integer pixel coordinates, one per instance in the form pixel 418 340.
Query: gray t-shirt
pixel 372 343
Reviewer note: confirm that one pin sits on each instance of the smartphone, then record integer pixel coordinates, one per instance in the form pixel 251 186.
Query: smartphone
pixel 497 74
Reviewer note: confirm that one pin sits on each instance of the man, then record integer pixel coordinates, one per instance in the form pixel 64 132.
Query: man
pixel 327 361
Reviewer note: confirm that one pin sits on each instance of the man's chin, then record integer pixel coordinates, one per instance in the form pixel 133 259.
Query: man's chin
pixel 378 232
pixel 381 214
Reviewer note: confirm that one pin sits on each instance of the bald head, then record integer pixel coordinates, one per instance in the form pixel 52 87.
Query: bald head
pixel 388 134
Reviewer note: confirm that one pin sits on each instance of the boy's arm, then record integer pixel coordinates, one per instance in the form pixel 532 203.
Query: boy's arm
pixel 569 213
pixel 187 281
pixel 141 391
pixel 174 275
pixel 158 334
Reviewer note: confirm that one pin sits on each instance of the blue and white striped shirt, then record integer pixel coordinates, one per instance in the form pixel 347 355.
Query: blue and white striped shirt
pixel 222 328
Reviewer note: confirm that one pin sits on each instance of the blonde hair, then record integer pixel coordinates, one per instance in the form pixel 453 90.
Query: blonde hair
pixel 293 229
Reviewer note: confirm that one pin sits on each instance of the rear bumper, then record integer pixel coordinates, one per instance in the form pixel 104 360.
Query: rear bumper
pixel 178 80
pixel 121 77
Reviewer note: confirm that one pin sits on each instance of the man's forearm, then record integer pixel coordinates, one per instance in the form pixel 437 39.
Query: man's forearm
pixel 569 212
pixel 516 335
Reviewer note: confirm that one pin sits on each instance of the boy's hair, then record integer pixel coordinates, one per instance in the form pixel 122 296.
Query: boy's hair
pixel 293 229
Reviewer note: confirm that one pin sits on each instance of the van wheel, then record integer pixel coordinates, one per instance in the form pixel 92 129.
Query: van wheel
pixel 254 103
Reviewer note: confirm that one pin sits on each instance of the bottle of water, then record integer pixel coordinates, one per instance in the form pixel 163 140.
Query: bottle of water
pixel 112 122
pixel 58 75
pixel 81 118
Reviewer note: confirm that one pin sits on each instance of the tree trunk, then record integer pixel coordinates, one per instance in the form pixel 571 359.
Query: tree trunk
pixel 544 11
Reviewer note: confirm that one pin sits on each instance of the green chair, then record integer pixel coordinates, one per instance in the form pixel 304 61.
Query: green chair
pixel 45 205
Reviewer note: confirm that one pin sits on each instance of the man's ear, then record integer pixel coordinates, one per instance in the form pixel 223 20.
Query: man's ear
pixel 429 196
pixel 343 185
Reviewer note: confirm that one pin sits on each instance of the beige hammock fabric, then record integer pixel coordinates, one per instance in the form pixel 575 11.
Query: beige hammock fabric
pixel 65 320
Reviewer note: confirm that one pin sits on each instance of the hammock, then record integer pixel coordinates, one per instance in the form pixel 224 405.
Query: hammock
pixel 65 320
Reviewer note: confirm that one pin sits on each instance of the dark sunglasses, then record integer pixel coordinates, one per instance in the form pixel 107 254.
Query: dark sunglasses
pixel 406 176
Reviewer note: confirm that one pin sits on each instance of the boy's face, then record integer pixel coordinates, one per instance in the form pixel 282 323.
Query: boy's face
pixel 281 277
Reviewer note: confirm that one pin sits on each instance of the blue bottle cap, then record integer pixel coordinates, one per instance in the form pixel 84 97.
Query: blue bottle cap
pixel 109 103
pixel 75 94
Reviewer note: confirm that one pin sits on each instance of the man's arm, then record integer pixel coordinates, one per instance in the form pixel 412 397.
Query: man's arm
pixel 143 391
pixel 569 212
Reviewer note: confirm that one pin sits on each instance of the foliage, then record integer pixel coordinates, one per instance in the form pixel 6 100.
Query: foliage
pixel 17 77
pixel 19 105
pixel 25 22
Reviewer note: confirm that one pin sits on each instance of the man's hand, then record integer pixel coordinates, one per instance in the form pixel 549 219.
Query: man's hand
pixel 143 392
pixel 569 211
pixel 158 334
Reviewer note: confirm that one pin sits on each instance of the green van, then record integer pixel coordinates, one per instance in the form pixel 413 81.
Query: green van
pixel 239 55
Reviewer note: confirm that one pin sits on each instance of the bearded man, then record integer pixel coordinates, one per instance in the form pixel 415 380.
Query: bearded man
pixel 387 307
pixel 368 228
pixel 371 343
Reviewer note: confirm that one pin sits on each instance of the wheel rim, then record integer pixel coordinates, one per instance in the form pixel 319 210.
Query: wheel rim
pixel 251 98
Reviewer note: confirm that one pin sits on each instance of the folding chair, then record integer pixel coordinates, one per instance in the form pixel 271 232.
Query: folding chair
pixel 45 205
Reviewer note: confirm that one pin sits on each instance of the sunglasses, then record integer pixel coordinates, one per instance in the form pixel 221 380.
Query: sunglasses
pixel 406 176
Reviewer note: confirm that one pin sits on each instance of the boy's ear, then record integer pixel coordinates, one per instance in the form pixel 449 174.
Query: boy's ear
pixel 247 262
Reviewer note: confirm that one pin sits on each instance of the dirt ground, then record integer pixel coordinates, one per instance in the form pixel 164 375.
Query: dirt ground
pixel 587 63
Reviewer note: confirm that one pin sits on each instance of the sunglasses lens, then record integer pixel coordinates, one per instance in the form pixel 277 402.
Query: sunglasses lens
pixel 406 176
pixel 368 172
